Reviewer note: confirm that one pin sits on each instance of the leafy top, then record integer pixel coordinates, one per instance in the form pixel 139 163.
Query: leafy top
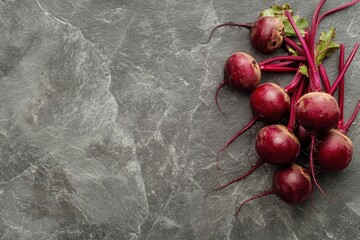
pixel 326 45
pixel 324 48
pixel 279 12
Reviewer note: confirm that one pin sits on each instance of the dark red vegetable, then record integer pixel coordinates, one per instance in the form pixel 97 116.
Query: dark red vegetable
pixel 266 33
pixel 292 184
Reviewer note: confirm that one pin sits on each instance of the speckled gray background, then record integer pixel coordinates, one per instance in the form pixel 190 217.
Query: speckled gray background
pixel 108 126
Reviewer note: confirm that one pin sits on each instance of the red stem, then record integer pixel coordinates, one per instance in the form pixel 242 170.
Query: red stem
pixel 291 87
pixel 324 78
pixel 303 43
pixel 220 86
pixel 255 197
pixel 230 24
pixel 294 98
pixel 270 68
pixel 282 58
pixel 256 166
pixel 341 93
pixel 314 76
pixel 312 146
pixel 314 27
pixel 241 131
pixel 282 64
pixel 347 64
pixel 294 45
pixel 337 9
pixel 348 124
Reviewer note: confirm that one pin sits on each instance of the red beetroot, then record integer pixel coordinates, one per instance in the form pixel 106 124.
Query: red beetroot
pixel 317 111
pixel 242 72
pixel 334 151
pixel 275 144
pixel 269 103
pixel 292 184
pixel 266 33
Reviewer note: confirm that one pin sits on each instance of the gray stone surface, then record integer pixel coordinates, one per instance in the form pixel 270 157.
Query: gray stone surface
pixel 108 127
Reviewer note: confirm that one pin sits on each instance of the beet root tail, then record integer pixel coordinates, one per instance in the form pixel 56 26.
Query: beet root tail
pixel 312 168
pixel 244 129
pixel 256 166
pixel 220 86
pixel 230 24
pixel 253 198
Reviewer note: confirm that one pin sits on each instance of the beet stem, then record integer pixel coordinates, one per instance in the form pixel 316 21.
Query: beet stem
pixel 294 98
pixel 303 43
pixel 230 24
pixel 294 45
pixel 347 64
pixel 282 58
pixel 220 86
pixel 270 68
pixel 337 9
pixel 314 26
pixel 255 197
pixel 251 170
pixel 291 87
pixel 312 146
pixel 341 93
pixel 324 77
pixel 241 131
pixel 348 124
pixel 314 76
pixel 282 64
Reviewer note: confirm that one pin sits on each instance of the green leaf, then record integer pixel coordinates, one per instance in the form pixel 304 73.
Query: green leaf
pixel 304 70
pixel 279 12
pixel 292 51
pixel 300 22
pixel 326 46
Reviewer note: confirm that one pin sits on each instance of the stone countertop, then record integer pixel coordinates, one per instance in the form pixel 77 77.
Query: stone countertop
pixel 109 129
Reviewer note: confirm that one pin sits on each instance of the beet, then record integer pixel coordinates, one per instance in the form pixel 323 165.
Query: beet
pixel 267 34
pixel 269 103
pixel 242 72
pixel 317 111
pixel 292 184
pixel 334 151
pixel 275 144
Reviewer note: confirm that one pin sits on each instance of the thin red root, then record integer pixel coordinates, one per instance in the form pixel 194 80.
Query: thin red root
pixel 255 197
pixel 346 66
pixel 292 86
pixel 341 92
pixel 337 9
pixel 281 59
pixel 294 98
pixel 348 124
pixel 312 146
pixel 270 68
pixel 294 46
pixel 220 86
pixel 324 78
pixel 256 166
pixel 244 129
pixel 230 24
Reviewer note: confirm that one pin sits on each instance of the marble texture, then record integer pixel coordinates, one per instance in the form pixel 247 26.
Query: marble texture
pixel 108 127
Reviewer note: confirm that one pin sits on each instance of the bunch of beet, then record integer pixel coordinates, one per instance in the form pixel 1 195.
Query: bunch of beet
pixel 314 118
